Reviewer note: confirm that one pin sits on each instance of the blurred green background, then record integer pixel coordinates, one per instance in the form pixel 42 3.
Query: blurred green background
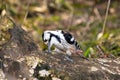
pixel 83 18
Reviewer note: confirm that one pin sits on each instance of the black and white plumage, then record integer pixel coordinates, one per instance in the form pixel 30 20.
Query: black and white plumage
pixel 70 39
pixel 63 41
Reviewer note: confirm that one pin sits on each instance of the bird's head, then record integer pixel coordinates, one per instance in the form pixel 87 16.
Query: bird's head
pixel 46 37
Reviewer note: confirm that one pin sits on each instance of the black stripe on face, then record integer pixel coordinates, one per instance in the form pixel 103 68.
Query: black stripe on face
pixel 57 37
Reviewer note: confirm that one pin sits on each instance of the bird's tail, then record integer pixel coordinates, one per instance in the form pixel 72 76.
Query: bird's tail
pixel 79 52
pixel 83 57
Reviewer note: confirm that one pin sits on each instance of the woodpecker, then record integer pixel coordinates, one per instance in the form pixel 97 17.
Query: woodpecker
pixel 63 42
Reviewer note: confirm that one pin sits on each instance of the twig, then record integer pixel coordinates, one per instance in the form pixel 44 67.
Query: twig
pixel 26 11
pixel 106 15
pixel 100 50
pixel 97 13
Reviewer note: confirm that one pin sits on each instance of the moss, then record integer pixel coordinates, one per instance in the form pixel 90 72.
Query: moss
pixel 5 26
